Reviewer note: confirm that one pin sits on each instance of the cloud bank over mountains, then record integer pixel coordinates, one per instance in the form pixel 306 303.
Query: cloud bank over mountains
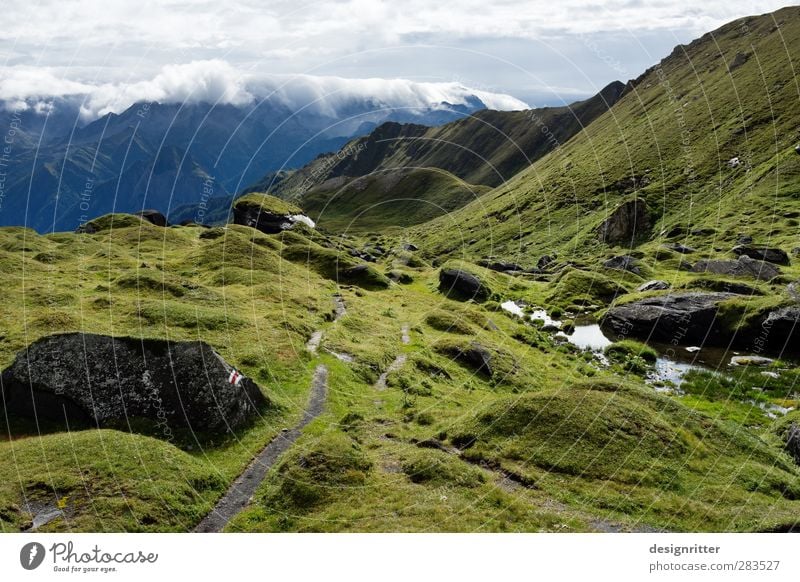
pixel 217 81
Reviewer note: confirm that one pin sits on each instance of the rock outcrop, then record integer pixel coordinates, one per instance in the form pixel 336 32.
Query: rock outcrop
pixel 694 318
pixel 268 214
pixel 743 267
pixel 153 217
pixel 626 222
pixel 759 253
pixel 106 381
pixel 463 284
pixel 680 318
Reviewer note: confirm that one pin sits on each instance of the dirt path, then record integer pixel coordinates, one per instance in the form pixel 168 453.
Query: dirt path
pixel 397 363
pixel 239 494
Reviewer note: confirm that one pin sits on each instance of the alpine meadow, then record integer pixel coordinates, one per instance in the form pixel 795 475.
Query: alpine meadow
pixel 448 311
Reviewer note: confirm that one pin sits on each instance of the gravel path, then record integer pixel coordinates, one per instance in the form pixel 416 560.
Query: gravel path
pixel 241 492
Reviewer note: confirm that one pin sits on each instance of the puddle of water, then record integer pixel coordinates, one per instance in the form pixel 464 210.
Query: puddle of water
pixel 536 315
pixel 588 337
pixel 671 366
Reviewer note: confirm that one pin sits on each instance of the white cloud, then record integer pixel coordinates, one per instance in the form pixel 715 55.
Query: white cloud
pixel 515 40
pixel 216 81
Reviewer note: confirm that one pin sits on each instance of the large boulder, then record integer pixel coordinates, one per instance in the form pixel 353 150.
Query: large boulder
pixel 107 380
pixel 680 318
pixel 778 330
pixel 153 217
pixel 625 223
pixel 463 284
pixel 268 214
pixel 759 253
pixel 743 267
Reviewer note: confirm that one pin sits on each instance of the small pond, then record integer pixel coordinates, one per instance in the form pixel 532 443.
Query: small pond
pixel 671 365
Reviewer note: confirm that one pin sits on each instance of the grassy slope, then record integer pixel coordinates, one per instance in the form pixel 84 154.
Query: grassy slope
pixel 668 140
pixel 408 196
pixel 152 282
pixel 358 467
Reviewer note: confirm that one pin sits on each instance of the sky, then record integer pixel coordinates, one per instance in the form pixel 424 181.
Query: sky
pixel 534 52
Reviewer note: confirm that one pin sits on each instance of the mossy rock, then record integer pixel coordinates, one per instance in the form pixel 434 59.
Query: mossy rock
pixel 267 204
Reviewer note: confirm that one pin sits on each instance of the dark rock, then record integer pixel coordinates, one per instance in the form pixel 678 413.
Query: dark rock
pixel 703 231
pixel 410 247
pixel 256 216
pixel 106 381
pixel 744 239
pixel 793 442
pixel 772 255
pixel 679 319
pixel 626 222
pixel 676 232
pixel 462 283
pixel 738 61
pixel 400 277
pixel 654 285
pixel 685 266
pixel 743 267
pixel 154 217
pixel 545 261
pixel 724 287
pixel 475 356
pixel 679 248
pixel 623 263
pixel 779 329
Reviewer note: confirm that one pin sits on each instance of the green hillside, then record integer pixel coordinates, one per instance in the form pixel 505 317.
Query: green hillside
pixel 402 198
pixel 668 141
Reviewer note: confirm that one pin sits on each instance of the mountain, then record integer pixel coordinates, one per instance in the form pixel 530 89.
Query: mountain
pixel 484 149
pixel 705 140
pixel 62 171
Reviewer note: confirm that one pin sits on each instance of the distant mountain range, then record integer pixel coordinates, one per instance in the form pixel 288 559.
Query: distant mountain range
pixel 60 171
pixel 441 168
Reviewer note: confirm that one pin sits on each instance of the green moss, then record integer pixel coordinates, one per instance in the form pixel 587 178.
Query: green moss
pixel 267 204
pixel 318 473
pixel 450 322
pixel 578 288
pixel 335 265
pixel 436 469
pixel 112 221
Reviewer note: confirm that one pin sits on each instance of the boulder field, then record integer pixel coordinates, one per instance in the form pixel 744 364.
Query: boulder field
pixel 106 381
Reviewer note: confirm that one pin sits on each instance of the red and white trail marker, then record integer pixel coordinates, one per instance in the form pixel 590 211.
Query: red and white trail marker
pixel 235 378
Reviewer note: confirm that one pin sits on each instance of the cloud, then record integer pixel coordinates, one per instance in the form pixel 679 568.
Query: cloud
pixel 217 81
